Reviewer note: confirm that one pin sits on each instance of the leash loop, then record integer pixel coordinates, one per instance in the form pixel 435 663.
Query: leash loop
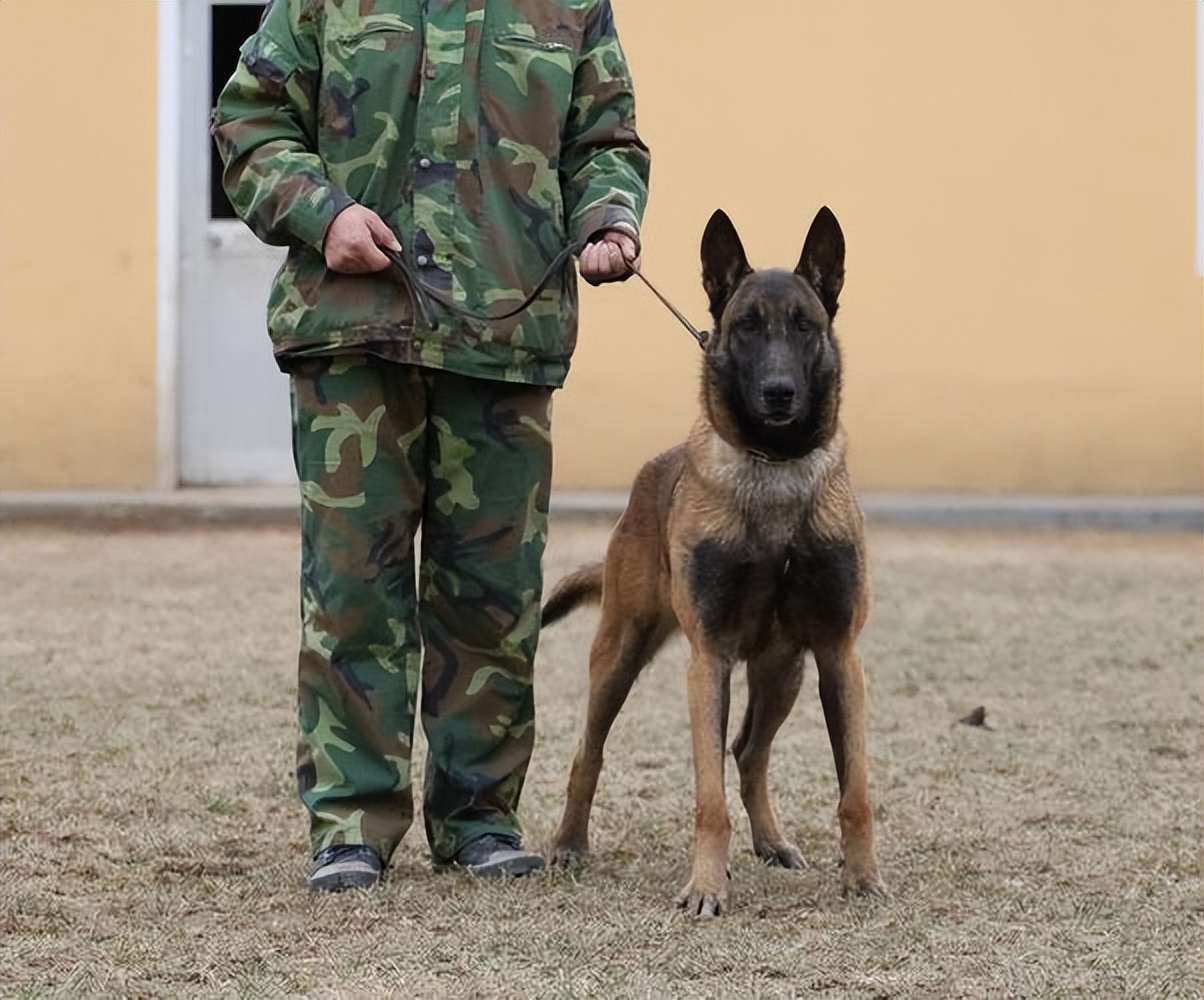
pixel 421 293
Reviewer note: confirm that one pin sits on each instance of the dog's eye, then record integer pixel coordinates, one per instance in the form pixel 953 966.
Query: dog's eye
pixel 801 321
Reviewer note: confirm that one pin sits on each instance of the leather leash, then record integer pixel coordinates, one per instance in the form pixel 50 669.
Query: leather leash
pixel 697 334
pixel 420 292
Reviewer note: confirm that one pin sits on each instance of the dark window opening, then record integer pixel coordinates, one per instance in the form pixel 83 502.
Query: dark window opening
pixel 230 25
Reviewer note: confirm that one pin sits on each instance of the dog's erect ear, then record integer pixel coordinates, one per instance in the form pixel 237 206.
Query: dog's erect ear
pixel 723 262
pixel 822 262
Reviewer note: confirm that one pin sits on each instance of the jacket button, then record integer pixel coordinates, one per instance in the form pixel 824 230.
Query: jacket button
pixel 424 162
pixel 422 260
pixel 431 71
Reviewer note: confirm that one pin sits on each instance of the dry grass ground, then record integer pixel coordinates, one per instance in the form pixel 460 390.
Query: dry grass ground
pixel 152 845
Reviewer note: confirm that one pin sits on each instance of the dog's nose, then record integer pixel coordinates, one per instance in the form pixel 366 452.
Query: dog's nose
pixel 778 393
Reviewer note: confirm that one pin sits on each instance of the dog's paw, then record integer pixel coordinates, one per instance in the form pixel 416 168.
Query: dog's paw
pixel 781 854
pixel 568 855
pixel 868 886
pixel 701 905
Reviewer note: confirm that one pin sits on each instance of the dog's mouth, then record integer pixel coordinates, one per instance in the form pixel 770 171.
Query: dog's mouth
pixel 778 410
pixel 775 419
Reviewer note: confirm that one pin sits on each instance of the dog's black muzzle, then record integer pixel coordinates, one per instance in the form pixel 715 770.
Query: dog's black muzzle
pixel 779 399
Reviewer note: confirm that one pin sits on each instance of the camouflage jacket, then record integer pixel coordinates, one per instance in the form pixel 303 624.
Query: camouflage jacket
pixel 485 134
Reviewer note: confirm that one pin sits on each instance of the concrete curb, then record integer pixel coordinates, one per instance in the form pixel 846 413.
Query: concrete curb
pixel 278 506
pixel 1098 513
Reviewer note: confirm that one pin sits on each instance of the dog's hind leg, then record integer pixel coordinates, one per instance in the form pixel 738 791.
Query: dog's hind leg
pixel 842 694
pixel 774 680
pixel 621 649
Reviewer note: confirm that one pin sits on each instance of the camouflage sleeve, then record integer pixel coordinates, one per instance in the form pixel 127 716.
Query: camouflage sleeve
pixel 264 125
pixel 604 162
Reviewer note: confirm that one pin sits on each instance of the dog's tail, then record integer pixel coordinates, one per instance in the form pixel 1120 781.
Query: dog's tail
pixel 584 586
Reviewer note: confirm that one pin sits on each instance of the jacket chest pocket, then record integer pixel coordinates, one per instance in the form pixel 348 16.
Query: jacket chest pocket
pixel 369 67
pixel 527 87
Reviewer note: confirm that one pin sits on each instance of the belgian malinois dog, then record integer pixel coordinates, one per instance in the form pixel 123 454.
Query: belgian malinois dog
pixel 749 539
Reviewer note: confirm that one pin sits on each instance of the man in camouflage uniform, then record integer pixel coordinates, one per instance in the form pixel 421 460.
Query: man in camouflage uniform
pixel 478 139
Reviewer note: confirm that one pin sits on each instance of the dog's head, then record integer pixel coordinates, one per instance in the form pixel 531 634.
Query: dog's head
pixel 772 378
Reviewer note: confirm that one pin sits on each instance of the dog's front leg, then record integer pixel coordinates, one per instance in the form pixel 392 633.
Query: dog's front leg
pixel 842 694
pixel 774 679
pixel 709 691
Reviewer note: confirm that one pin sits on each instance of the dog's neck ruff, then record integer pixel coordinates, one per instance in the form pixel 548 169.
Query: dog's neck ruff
pixel 767 490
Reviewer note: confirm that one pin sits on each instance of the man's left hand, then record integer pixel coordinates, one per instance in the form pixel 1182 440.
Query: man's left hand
pixel 610 258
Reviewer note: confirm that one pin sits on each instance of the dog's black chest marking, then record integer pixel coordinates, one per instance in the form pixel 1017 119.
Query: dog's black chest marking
pixel 749 594
pixel 735 589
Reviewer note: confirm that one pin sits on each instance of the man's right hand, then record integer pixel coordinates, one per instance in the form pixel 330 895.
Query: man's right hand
pixel 352 241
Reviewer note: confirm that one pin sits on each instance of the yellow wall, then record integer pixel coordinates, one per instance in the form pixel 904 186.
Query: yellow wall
pixel 1016 184
pixel 77 244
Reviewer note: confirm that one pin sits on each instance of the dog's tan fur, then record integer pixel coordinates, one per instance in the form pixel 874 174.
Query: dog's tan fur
pixel 750 541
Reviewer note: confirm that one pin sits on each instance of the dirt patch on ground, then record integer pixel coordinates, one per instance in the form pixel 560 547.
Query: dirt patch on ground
pixel 152 844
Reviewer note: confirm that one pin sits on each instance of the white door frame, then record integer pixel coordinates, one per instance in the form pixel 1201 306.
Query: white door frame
pixel 213 280
pixel 167 306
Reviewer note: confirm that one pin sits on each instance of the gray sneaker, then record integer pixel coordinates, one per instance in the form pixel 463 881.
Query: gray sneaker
pixel 493 856
pixel 344 866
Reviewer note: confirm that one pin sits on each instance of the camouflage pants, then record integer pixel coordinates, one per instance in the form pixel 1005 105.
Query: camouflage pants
pixel 381 450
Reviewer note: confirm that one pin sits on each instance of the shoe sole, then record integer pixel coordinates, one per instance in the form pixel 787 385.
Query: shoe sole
pixel 512 867
pixel 339 876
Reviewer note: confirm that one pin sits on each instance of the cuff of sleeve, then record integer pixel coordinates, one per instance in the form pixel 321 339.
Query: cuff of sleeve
pixel 598 220
pixel 615 227
pixel 311 219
